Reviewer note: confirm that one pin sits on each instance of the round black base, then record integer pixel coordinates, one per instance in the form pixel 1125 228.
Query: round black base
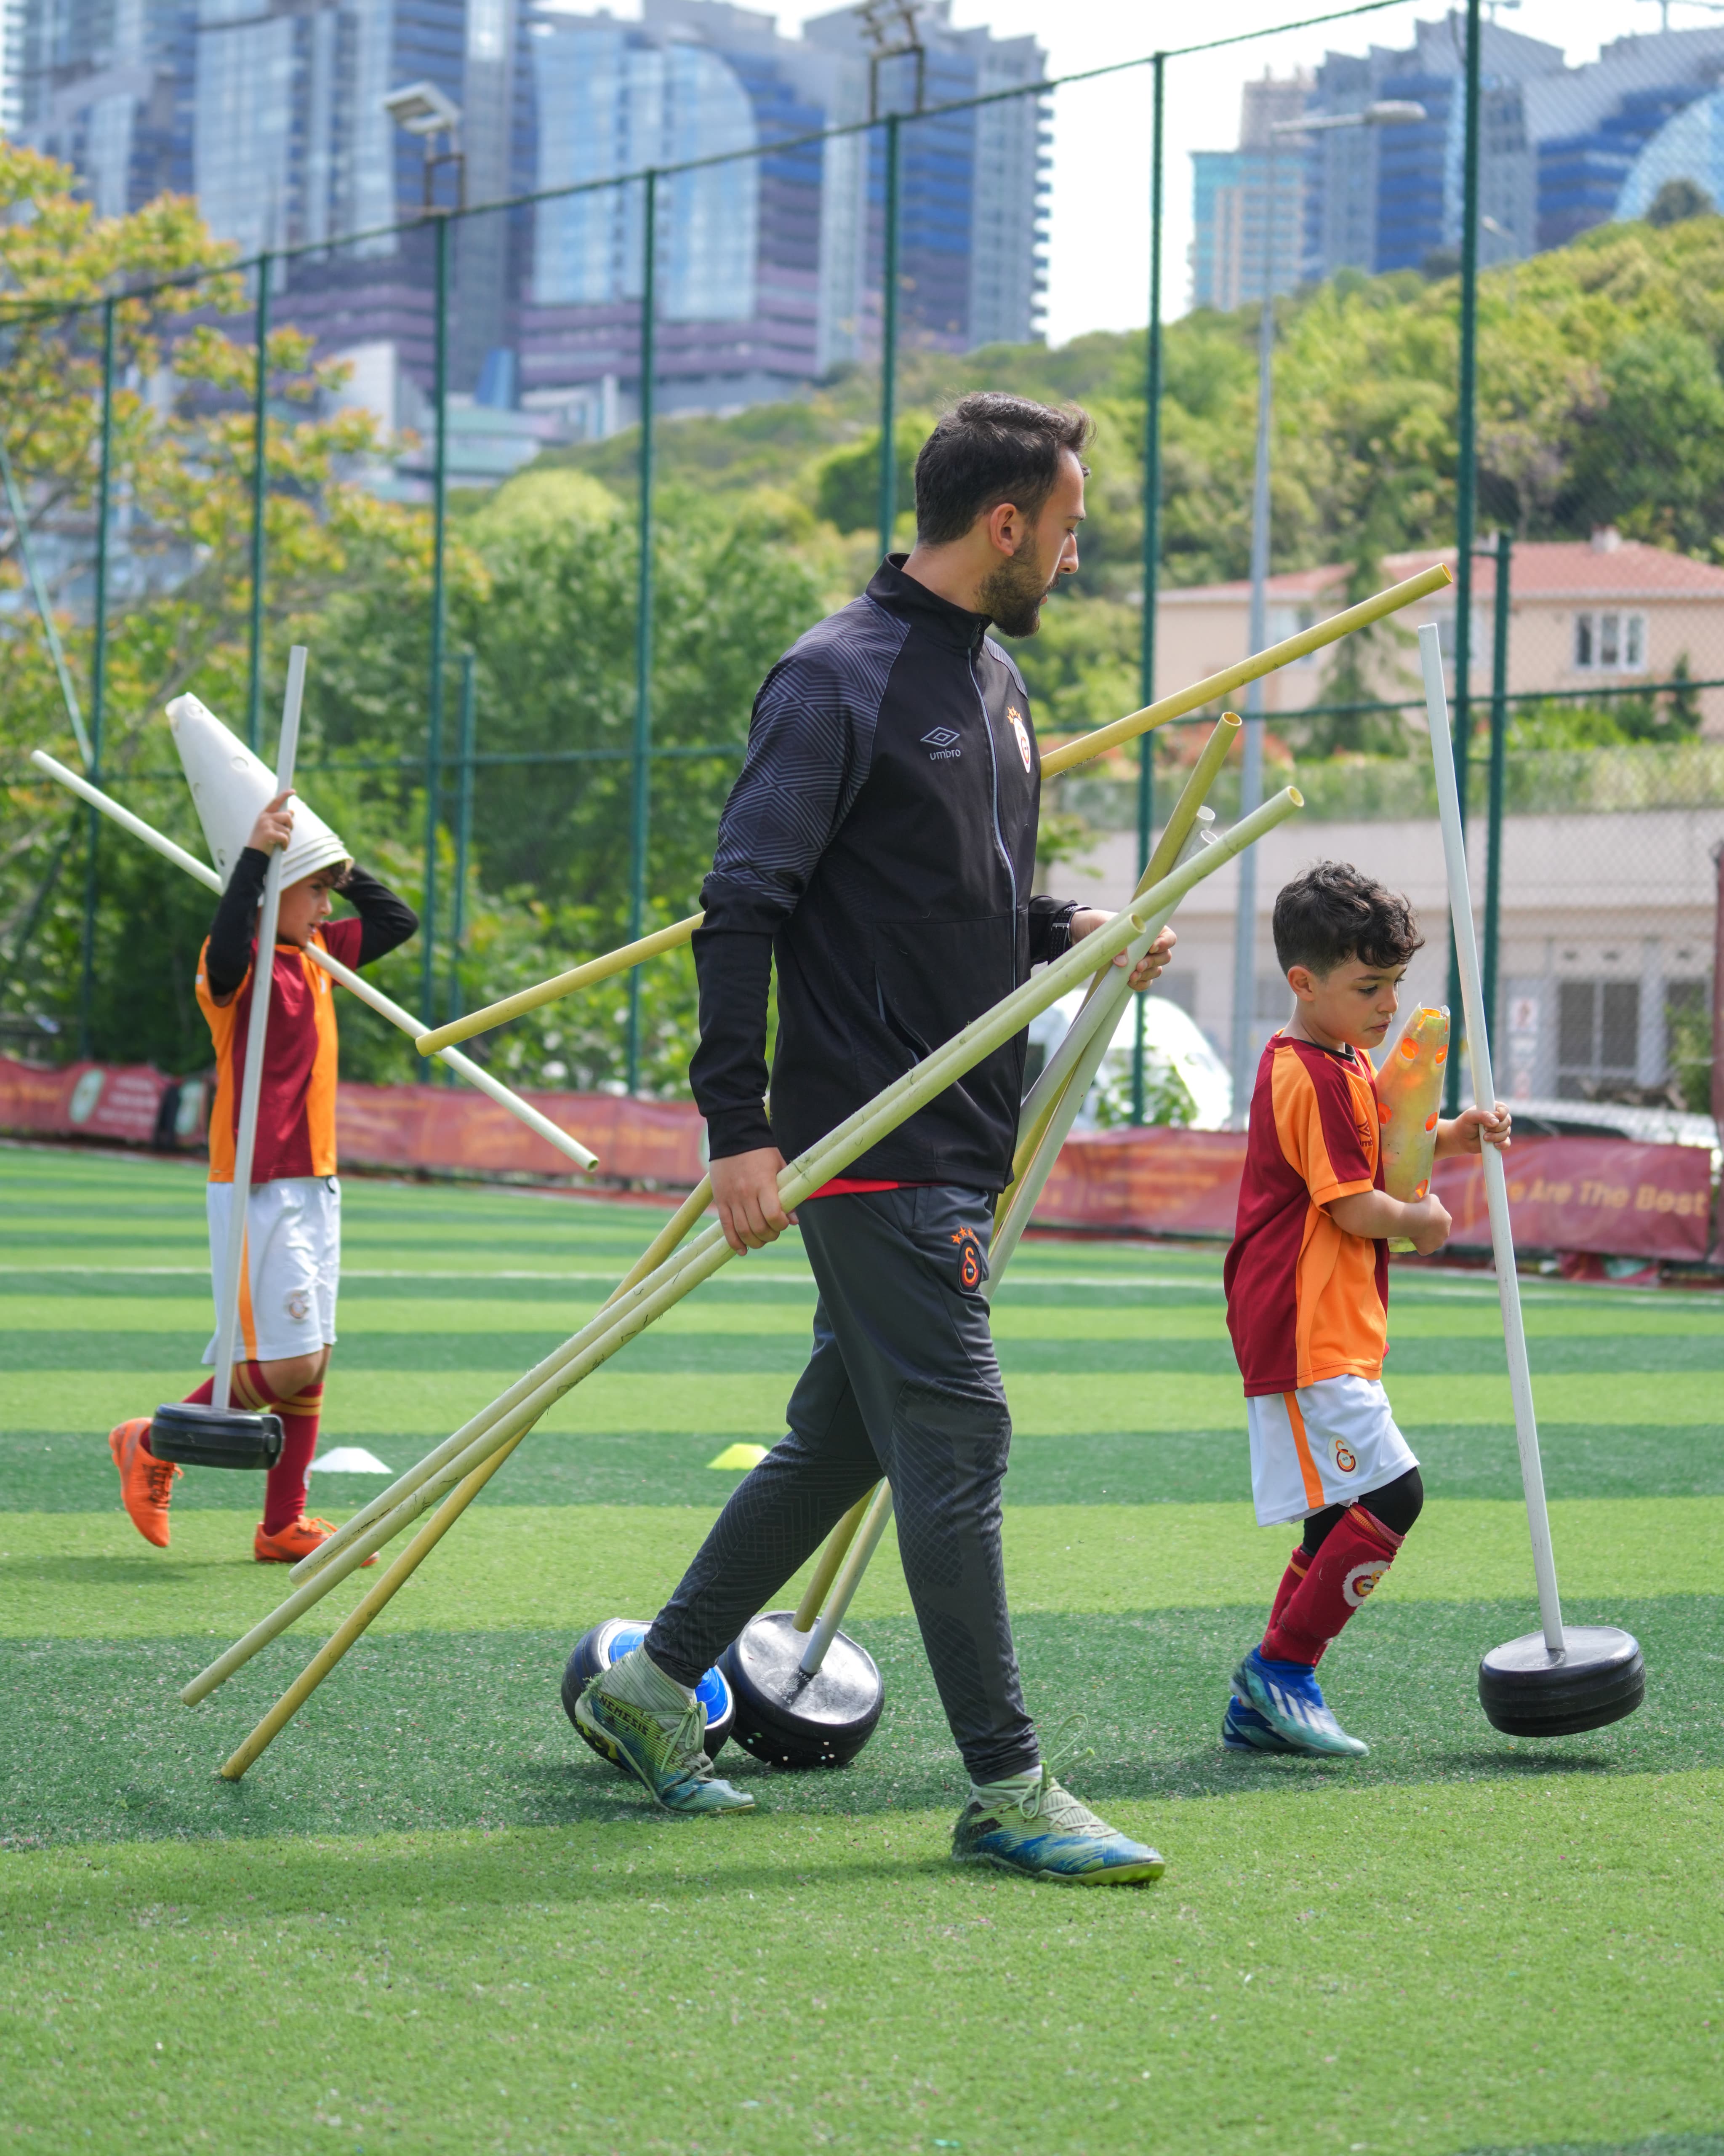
pixel 215 1437
pixel 595 1650
pixel 1527 1692
pixel 790 1720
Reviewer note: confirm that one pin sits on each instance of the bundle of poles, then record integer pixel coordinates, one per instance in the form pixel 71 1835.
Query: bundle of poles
pixel 451 1475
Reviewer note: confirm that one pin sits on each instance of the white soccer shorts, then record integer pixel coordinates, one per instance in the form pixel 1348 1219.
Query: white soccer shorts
pixel 1328 1443
pixel 287 1292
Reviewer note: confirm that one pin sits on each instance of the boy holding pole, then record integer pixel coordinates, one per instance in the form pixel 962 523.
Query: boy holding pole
pixel 292 1217
pixel 1307 1294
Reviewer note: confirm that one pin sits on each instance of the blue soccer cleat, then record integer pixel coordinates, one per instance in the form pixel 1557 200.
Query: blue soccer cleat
pixel 1243 1729
pixel 1286 1695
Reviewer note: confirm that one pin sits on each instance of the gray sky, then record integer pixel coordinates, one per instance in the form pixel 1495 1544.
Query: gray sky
pixel 1099 242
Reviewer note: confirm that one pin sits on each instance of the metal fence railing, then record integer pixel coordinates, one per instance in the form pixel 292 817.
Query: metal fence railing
pixel 527 706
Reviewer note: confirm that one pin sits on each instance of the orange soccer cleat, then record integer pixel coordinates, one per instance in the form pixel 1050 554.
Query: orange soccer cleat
pixel 297 1539
pixel 145 1482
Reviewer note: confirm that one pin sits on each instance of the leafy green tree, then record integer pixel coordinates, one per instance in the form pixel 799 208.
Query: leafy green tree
pixel 180 595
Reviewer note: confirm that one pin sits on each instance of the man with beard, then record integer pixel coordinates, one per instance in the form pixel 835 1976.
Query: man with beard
pixel 880 845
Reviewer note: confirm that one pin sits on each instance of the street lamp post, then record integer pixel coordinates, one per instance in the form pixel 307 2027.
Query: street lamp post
pixel 1387 112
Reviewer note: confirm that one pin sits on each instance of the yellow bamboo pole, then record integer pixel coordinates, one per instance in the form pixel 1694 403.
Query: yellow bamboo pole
pixel 1039 1112
pixel 831 1558
pixel 660 1291
pixel 1054 762
pixel 570 983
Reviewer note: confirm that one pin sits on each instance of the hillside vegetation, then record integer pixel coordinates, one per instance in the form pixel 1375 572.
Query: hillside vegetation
pixel 1601 401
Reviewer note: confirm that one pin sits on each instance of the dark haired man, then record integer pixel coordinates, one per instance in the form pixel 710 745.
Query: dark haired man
pixel 1307 1294
pixel 880 845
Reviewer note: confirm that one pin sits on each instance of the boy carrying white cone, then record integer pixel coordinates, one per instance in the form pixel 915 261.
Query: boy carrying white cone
pixel 292 1225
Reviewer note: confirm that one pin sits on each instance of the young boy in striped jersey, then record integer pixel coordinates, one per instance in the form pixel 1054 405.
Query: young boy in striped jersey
pixel 293 1218
pixel 1307 1294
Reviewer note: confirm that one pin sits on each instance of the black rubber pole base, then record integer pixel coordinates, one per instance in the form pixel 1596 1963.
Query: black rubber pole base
pixel 1527 1692
pixel 215 1437
pixel 595 1650
pixel 790 1720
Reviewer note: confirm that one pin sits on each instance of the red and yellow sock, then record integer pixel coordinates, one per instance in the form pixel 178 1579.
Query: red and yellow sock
pixel 285 1497
pixel 1354 1556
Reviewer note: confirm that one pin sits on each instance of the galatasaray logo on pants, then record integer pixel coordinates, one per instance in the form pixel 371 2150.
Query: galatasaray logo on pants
pixel 1361 1580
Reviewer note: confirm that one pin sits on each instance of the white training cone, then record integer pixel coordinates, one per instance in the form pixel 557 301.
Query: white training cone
pixel 229 786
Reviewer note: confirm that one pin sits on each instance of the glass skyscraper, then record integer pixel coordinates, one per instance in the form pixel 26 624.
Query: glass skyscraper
pixel 768 266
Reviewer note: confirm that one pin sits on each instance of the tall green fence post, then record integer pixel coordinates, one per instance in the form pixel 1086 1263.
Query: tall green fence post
pixel 1465 455
pixel 464 840
pixel 439 625
pixel 640 804
pixel 1152 541
pixel 97 677
pixel 1499 750
pixel 888 341
pixel 259 490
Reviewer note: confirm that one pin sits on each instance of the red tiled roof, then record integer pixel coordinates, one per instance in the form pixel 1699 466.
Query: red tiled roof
pixel 1541 569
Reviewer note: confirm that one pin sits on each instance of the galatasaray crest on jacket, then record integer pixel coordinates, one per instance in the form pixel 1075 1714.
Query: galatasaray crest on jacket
pixel 1022 731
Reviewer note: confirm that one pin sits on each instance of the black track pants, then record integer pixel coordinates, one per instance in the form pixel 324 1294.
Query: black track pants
pixel 902 1382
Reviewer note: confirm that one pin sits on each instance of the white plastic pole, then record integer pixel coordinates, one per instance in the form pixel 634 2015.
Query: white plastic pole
pixel 849 1580
pixel 251 1083
pixel 1502 1240
pixel 354 984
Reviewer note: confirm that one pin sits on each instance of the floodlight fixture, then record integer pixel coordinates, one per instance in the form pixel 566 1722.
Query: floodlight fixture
pixel 422 109
pixel 893 29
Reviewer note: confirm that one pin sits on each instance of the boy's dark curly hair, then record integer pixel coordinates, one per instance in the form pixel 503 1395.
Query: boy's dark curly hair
pixel 1333 911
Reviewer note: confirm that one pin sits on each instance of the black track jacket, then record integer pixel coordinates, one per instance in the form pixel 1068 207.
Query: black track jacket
pixel 880 844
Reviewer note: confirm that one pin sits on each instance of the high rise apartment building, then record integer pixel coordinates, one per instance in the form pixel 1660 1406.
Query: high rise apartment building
pixel 1250 201
pixel 1561 149
pixel 769 257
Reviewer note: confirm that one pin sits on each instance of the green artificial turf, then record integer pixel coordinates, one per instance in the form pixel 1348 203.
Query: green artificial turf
pixel 1403 1975
pixel 428 1918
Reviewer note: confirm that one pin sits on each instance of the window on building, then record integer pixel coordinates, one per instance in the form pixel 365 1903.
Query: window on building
pixel 1285 621
pixel 1597 1036
pixel 1688 1040
pixel 1610 642
pixel 1181 988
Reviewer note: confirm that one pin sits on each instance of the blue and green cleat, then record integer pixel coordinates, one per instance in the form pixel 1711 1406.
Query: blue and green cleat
pixel 1243 1729
pixel 661 1747
pixel 1287 1697
pixel 1049 1835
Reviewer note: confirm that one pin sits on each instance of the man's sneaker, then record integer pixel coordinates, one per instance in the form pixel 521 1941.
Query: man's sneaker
pixel 145 1482
pixel 660 1746
pixel 1243 1729
pixel 1286 1695
pixel 297 1539
pixel 1049 1835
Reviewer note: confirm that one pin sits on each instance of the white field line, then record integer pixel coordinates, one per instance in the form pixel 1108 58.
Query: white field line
pixel 1598 1298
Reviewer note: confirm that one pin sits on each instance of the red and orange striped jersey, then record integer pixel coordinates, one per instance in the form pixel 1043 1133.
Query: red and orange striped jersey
pixel 296 1110
pixel 1305 1301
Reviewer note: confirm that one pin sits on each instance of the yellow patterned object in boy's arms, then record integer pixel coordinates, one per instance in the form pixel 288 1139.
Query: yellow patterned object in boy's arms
pixel 1409 1100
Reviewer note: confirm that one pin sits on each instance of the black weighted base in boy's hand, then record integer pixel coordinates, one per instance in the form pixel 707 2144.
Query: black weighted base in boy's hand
pixel 790 1719
pixel 1526 1691
pixel 215 1437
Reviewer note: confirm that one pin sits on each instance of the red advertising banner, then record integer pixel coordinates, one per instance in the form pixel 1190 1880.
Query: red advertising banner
pixel 1155 1181
pixel 84 1100
pixel 1607 1195
pixel 439 1125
